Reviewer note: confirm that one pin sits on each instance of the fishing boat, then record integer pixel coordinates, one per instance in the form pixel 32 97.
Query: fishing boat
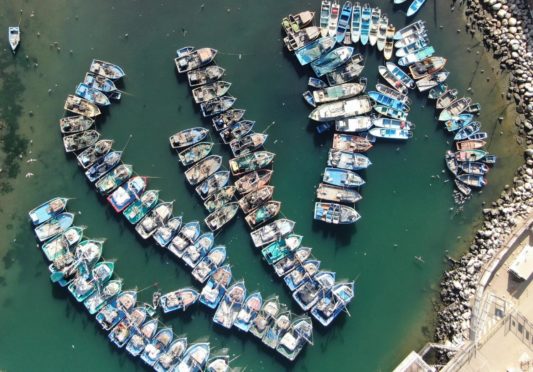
pixel 470 144
pixel 347 72
pixel 308 294
pixel 141 336
pixel 248 143
pixel 337 194
pixel 164 234
pixel 389 42
pixel 277 330
pixel 263 214
pixel 80 141
pixel 208 92
pixel 413 28
pixel 374 26
pixel 221 216
pixel 106 69
pixel 140 207
pixel 343 24
pixel 325 9
pixel 81 287
pixel 205 75
pixel 295 23
pixel 467 131
pixel 188 234
pixel 389 123
pixel 455 108
pixel 47 210
pixel 250 162
pixel 385 100
pixel 342 178
pixel 154 219
pixel 81 106
pixel 350 143
pixel 230 306
pixel 75 124
pixel 474 109
pixel 249 311
pixel 198 250
pixel 99 82
pixel 391 112
pixel 347 160
pixel 92 95
pixel 354 124
pixel 342 109
pixel 475 168
pixel 337 92
pixel 438 91
pixel 103 165
pixel 122 332
pixel 392 80
pixel 13 34
pixel 54 225
pixel 459 122
pixel 470 155
pixel 269 311
pixel 125 195
pixel 76 264
pixel 187 137
pixel 227 118
pixel 62 244
pixel 416 56
pixel 432 80
pixel 218 363
pixel 281 248
pixel 419 44
pixel 209 264
pixel 355 26
pixel 116 309
pixel 92 154
pixel 203 169
pixel 427 67
pixel 157 346
pixel 103 295
pixel 217 105
pixel 334 12
pixel 415 7
pixel 293 341
pixel 236 131
pixel 252 181
pixel 196 59
pixel 366 15
pixel 331 60
pixel 212 184
pixel 299 39
pixel 194 358
pixel 181 299
pixel 382 32
pixel 400 75
pixel 271 232
pixel 314 82
pixel 114 179
pixel 333 303
pixel 451 162
pixel 335 213
pixel 172 355
pixel 464 189
pixel 291 261
pixel 472 180
pixel 391 133
pixel 216 286
pixel 417 37
pixel 255 199
pixel 195 153
pixel 184 51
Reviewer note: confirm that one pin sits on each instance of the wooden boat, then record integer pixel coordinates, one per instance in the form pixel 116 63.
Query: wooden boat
pixel 253 181
pixel 90 155
pixel 391 112
pixel 103 165
pixel 208 92
pixel 141 336
pixel 157 346
pixel 106 69
pixel 219 198
pixel 458 122
pixel 415 7
pixel 308 97
pixel 282 248
pixel 389 42
pixel 391 133
pixel 366 14
pixel 188 234
pixel 333 303
pixel 203 169
pixel 114 179
pixel 347 160
pixel 337 92
pixel 464 189
pixel 334 13
pixel 47 210
pixel 348 72
pixel 438 91
pixel 290 262
pixel 489 159
pixel 451 162
pixel 393 93
pixel 249 143
pixel 184 51
pixel 181 299
pixel 476 168
pixel 400 75
pixel 115 310
pixel 263 214
pixel 331 60
pixel 198 250
pixel 427 67
pixel 343 25
pixel 336 214
pixel 272 232
pixel 80 141
pixel 249 311
pixel 227 118
pixel 75 124
pixel 92 95
pixel 236 131
pixel 206 75
pixel 296 40
pixel 154 219
pixel 337 194
pixel 99 82
pixel 209 264
pixel 392 80
pixel 314 50
pixel 342 109
pixel 314 82
pixel 194 60
pixel 412 38
pixel 325 9
pixel 105 294
pixel 255 199
pixel 221 216
pixel 354 124
pixel 195 153
pixel 250 162
pixel 140 207
pixel 81 106
pixel 194 358
pixel 294 23
pixel 418 45
pixel 342 178
pixel 472 180
pixel 470 155
pixel 389 123
pixel 63 244
pixel 53 226
pixel 13 34
pixel 467 131
pixel 455 108
pixel 355 27
pixel 164 234
pixel 212 184
pixel 432 80
pixel 293 341
pixel 187 137
pixel 216 105
pixel 478 136
pixel 230 305
pixel 382 32
pixel 262 322
pixel 171 355
pixel 470 144
pixel 374 26
pixel 350 143
pixel 416 56
pixel 216 287
pixel 388 101
pixel 413 28
pixel 127 193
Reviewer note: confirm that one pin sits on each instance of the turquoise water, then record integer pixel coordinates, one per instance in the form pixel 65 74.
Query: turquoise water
pixel 406 210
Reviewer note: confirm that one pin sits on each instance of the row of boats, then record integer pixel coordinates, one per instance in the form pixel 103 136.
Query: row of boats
pixel 75 263
pixel 314 290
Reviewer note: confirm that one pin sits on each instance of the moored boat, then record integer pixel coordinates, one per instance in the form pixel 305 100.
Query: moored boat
pixel 400 75
pixel 75 124
pixel 82 287
pixel 209 264
pixel 451 162
pixel 216 286
pixel 236 131
pixel 343 25
pixel 103 295
pixel 157 346
pixel 114 179
pixel 57 224
pixel 141 336
pixel 263 214
pixel 248 143
pixel 342 177
pixel 92 95
pixel 330 61
pixel 205 75
pixel 254 199
pixel 464 189
pixel 187 137
pixel 337 194
pixel 252 181
pixel 437 91
pixel 248 312
pixel 314 82
pixel 293 341
pixel 269 311
pixel 291 261
pixel 476 168
pixel 391 112
pixel 427 67
pixel 184 51
pixel 374 26
pixel 392 80
pixel 164 234
pixel 99 82
pixel 103 165
pixel 391 133
pixel 337 92
pixel 227 118
pixel 472 180
pixel 366 15
pixel 413 28
pixel 116 309
pixel 271 232
pixel 181 299
pixel 122 332
pixel 81 106
pixel 250 162
pixel 389 123
pixel 80 141
pixel 325 8
pixel 347 142
pixel 47 210
pixel 63 243
pixel 458 122
pixel 432 80
pixel 13 34
pixel 194 358
pixel 299 39
pixel 342 109
pixel 231 304
pixel 313 290
pixel 203 169
pixel 124 195
pixel 216 105
pixel 385 100
pixel 188 234
pixel 389 42
pixel 221 216
pixel 333 303
pixel 92 154
pixel 335 213
pixel 296 22
pixel 382 32
pixel 172 355
pixel 138 209
pixel 277 330
pixel 354 124
pixel 415 7
pixel 417 56
pixel 334 13
pixel 106 69
pixel 212 184
pixel 347 72
pixel 455 108
pixel 467 131
pixel 347 160
pixel 198 58
pixel 355 26
pixel 195 153
pixel 446 98
pixel 210 91
pixel 154 219
pixel 470 155
pixel 470 144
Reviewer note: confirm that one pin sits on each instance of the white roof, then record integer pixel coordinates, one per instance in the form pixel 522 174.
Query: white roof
pixel 522 265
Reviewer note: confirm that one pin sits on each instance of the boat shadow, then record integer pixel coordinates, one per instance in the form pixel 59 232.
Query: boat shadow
pixel 342 234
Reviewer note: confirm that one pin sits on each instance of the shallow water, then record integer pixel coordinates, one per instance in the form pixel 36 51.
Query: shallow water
pixel 406 210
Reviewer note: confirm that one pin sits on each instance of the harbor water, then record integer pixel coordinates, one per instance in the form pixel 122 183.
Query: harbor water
pixel 407 208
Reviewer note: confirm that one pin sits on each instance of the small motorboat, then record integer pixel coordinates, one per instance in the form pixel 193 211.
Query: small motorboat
pixel 350 143
pixel 181 299
pixel 389 42
pixel 366 15
pixel 470 144
pixel 13 34
pixel 106 69
pixel 325 9
pixel 308 97
pixel 203 169
pixel 75 124
pixel 342 178
pixel 195 59
pixel 415 7
pixel 227 118
pixel 355 26
pixel 317 83
pixel 391 112
pixel 47 210
pixel 472 180
pixel 187 137
pixel 195 153
pixel 335 213
pixel 92 95
pixel 391 133
pixel 206 75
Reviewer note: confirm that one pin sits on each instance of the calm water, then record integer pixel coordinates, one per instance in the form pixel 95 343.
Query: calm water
pixel 406 209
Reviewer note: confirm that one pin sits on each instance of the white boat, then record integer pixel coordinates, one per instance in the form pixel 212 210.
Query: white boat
pixel 14 38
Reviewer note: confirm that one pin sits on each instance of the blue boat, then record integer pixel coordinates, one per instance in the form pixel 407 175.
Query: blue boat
pixel 415 7
pixel 301 274
pixel 355 28
pixel 458 122
pixel 391 112
pixel 388 101
pixel 344 22
pixel 400 75
pixel 314 82
pixel 103 295
pixel 47 210
pixel 333 303
pixel 141 336
pixel 347 160
pixel 172 355
pixel 81 288
pixel 92 95
pixel 416 57
pixel 331 60
pixel 216 287
pixel 209 263
pixel 164 234
pixel 365 23
pixel 231 305
pixel 467 131
pixel 314 50
pixel 308 96
pixel 195 252
pixel 324 127
pixel 280 327
pixel 313 290
pixel 249 311
pixel 123 331
pixel 54 226
pixel 391 133
pixel 181 299
pixel 127 193
pixel 63 243
pixel 103 165
pixel 99 82
pixel 157 346
pixel 77 264
pixel 342 178
pixel 115 310
pixel 194 359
